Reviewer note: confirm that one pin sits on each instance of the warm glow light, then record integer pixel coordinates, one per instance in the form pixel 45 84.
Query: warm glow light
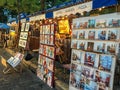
pixel 100 9
pixel 12 33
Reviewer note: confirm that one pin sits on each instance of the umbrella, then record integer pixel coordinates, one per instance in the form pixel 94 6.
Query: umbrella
pixel 4 26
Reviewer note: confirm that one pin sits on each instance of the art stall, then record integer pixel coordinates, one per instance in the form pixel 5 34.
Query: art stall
pixel 47 52
pixel 95 48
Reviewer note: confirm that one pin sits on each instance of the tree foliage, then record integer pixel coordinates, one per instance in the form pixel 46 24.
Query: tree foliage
pixel 27 6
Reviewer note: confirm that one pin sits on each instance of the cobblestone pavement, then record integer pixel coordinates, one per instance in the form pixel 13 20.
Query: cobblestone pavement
pixel 20 81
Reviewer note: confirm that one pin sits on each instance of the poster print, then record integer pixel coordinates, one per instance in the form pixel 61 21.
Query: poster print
pixel 23 27
pixel 50 64
pixel 51 41
pixel 27 27
pixel 52 29
pixel 47 29
pixel 22 43
pixel 105 62
pixel 41 29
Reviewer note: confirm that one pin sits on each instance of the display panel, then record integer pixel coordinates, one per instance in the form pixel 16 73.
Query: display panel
pixel 95 46
pixel 45 69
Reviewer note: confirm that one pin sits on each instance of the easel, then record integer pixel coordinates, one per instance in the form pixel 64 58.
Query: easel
pixel 13 63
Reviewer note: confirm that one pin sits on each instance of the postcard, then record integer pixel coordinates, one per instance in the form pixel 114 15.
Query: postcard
pixel 40 61
pixel 90 85
pixel 90 59
pixel 91 35
pixel 101 35
pixel 52 29
pixel 81 35
pixel 100 47
pixel 76 81
pixel 112 34
pixel 91 23
pixel 51 51
pixel 100 23
pixel 41 29
pixel 50 78
pixel 105 62
pixel 81 45
pixel 23 27
pixel 76 56
pixel 50 64
pixel 90 46
pixel 83 24
pixel 113 22
pixel 74 34
pixel 88 72
pixel 111 48
pixel 27 26
pixel 51 40
pixel 76 67
pixel 103 79
pixel 74 44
